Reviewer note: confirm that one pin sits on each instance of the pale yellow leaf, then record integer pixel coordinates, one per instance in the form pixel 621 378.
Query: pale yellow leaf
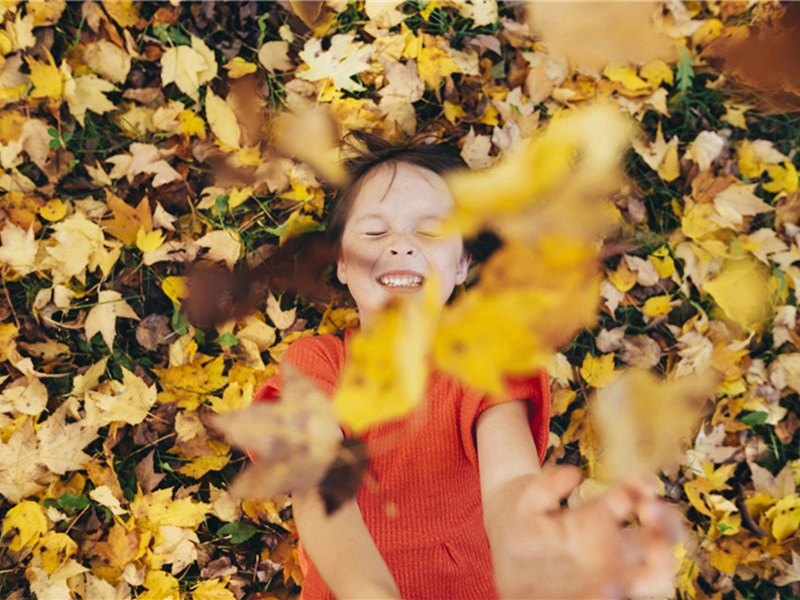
pixel 18 248
pixel 344 58
pixel 274 56
pixel 108 60
pixel 222 121
pixel 102 317
pixel 87 92
pixel 61 444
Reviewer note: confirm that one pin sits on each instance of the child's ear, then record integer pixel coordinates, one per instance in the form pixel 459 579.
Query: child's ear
pixel 341 271
pixel 463 267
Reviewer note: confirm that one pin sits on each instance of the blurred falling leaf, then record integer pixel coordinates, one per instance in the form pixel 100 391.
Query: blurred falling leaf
pixel 763 58
pixel 576 162
pixel 529 301
pixel 387 369
pixel 292 134
pixel 594 34
pixel 643 421
pixel 294 439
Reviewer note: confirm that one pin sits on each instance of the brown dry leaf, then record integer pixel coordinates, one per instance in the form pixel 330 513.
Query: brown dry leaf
pixel 127 220
pixel 643 420
pixel 309 11
pixel 292 134
pixel 763 58
pixel 294 439
pixel 594 34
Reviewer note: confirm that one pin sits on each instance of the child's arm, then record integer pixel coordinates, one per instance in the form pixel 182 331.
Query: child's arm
pixel 541 550
pixel 342 550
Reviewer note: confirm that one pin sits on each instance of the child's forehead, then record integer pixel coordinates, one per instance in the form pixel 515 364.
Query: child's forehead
pixel 418 188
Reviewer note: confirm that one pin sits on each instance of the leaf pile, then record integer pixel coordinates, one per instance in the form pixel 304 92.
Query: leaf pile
pixel 138 138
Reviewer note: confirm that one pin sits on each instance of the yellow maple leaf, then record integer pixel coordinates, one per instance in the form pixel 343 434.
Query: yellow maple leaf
pixel 124 12
pixel 87 92
pixel 784 178
pixel 189 67
pixel 175 288
pixel 344 58
pixel 656 306
pixel 158 508
pixel 575 161
pixel 160 585
pixel 27 522
pixel 529 302
pixel 148 242
pixel 657 72
pixel 239 67
pixel 55 549
pixel 191 124
pixel 191 383
pixel 434 65
pixel 598 371
pixel 785 517
pixel 626 75
pixel 45 77
pixel 18 248
pixel 130 403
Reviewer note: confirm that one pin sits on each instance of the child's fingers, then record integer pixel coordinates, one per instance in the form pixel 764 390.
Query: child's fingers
pixel 550 487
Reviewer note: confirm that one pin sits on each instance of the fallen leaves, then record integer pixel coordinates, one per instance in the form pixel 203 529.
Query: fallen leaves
pixel 138 141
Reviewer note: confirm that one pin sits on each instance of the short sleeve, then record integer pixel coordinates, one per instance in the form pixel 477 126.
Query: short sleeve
pixel 318 357
pixel 534 389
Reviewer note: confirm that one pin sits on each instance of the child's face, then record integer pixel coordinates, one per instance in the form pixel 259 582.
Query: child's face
pixel 391 244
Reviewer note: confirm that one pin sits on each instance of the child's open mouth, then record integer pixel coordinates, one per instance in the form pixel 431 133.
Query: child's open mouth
pixel 401 280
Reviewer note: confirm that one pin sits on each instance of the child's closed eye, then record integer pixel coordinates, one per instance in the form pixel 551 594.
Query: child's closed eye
pixel 374 233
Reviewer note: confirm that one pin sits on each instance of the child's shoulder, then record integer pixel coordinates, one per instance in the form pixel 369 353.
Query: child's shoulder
pixel 316 349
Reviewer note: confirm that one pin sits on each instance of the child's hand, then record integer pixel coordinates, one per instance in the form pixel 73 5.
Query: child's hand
pixel 542 550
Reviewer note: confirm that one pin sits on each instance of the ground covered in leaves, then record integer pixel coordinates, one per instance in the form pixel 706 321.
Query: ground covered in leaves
pixel 139 138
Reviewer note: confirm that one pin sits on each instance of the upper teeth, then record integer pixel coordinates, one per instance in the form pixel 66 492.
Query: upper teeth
pixel 401 280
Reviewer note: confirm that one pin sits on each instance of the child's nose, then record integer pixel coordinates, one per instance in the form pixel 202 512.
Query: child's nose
pixel 401 245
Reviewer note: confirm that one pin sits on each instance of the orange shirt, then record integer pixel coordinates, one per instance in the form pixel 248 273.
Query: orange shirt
pixel 423 507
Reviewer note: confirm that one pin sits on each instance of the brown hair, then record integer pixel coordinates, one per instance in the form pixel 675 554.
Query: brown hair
pixel 370 152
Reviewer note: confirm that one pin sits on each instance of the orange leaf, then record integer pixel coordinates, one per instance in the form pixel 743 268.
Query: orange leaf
pixel 127 220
